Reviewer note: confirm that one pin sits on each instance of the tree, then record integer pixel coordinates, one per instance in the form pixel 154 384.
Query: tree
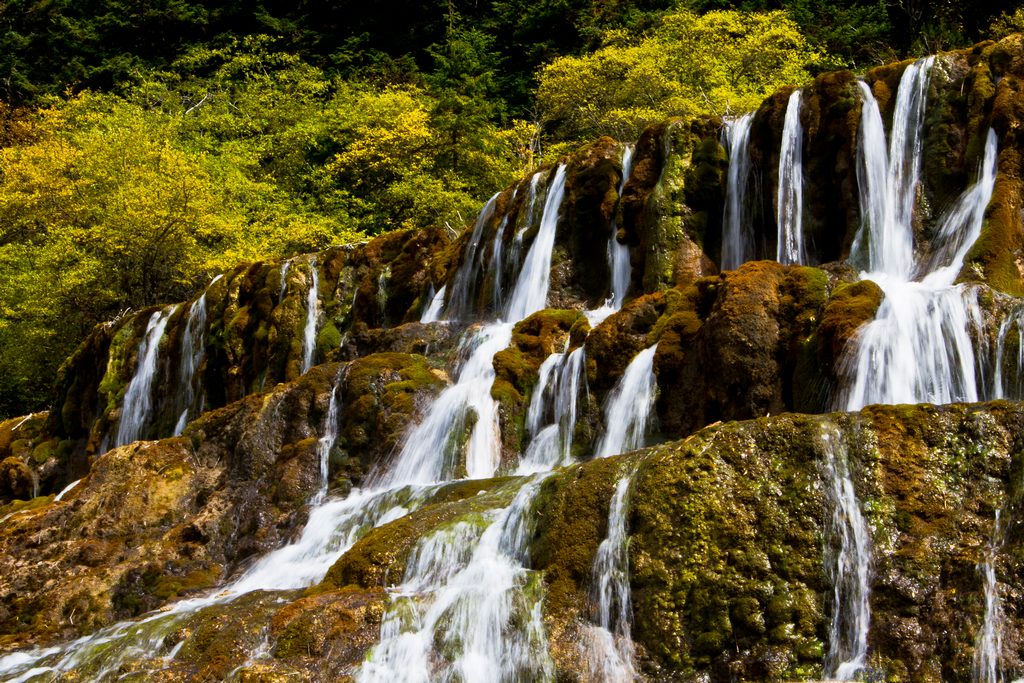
pixel 721 62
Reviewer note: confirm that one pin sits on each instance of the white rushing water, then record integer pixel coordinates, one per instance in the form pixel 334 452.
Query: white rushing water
pixel 888 175
pixel 989 642
pixel 618 253
pixel 737 241
pixel 531 290
pixel 1008 375
pixel 312 317
pixel 551 417
pixel 610 651
pixel 432 313
pixel 497 266
pixel 193 351
pixel 468 608
pixel 919 348
pixel 464 284
pixel 850 568
pixel 138 397
pixel 430 453
pixel 284 280
pixel 790 194
pixel 629 408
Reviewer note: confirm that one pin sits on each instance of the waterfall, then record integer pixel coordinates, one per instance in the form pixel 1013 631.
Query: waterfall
pixel 312 315
pixel 430 453
pixel 989 643
pixel 551 417
pixel 193 351
pixel 382 292
pixel 432 313
pixel 888 175
pixel 1009 385
pixel 496 264
pixel 618 253
pixel 919 346
pixel 531 291
pixel 790 196
pixel 284 280
pixel 468 608
pixel 850 571
pixel 629 409
pixel 610 655
pixel 138 397
pixel 737 243
pixel 464 283
pixel 329 433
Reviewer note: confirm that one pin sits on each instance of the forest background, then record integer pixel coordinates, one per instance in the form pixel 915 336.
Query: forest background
pixel 147 145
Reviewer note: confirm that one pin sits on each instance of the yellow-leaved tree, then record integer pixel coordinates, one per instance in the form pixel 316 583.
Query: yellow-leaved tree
pixel 717 63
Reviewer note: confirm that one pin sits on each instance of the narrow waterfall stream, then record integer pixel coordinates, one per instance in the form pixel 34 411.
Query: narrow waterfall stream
pixel 432 313
pixel 138 397
pixel 193 351
pixel 551 417
pixel 629 407
pixel 790 194
pixel 737 239
pixel 989 643
pixel 850 567
pixel 312 317
pixel 618 253
pixel 610 652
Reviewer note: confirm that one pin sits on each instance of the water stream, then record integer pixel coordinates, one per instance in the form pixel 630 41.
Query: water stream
pixel 629 408
pixel 790 195
pixel 138 397
pixel 737 238
pixel 312 317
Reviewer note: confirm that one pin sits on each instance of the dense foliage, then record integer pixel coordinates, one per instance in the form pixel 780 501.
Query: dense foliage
pixel 146 146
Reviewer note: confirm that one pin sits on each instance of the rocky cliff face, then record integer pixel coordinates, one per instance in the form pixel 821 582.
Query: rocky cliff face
pixel 280 403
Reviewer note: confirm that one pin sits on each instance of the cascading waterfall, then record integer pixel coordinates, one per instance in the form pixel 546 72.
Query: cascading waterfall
pixel 497 265
pixel 610 654
pixel 531 291
pixel 193 351
pixel 618 253
pixel 138 397
pixel 790 195
pixel 737 242
pixel 630 407
pixel 919 346
pixel 429 453
pixel 460 303
pixel 989 643
pixel 850 569
pixel 464 588
pixel 325 443
pixel 888 175
pixel 312 317
pixel 551 417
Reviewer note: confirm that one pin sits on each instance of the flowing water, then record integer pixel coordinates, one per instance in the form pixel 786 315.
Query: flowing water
pixel 629 408
pixel 193 351
pixel 468 608
pixel 284 280
pixel 790 195
pixel 312 317
pixel 138 397
pixel 737 240
pixel 531 290
pixel 618 253
pixel 850 568
pixel 460 303
pixel 989 643
pixel 551 417
pixel 432 313
pixel 610 652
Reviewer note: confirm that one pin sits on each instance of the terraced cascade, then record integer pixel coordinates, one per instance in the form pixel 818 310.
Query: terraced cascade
pixel 561 444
